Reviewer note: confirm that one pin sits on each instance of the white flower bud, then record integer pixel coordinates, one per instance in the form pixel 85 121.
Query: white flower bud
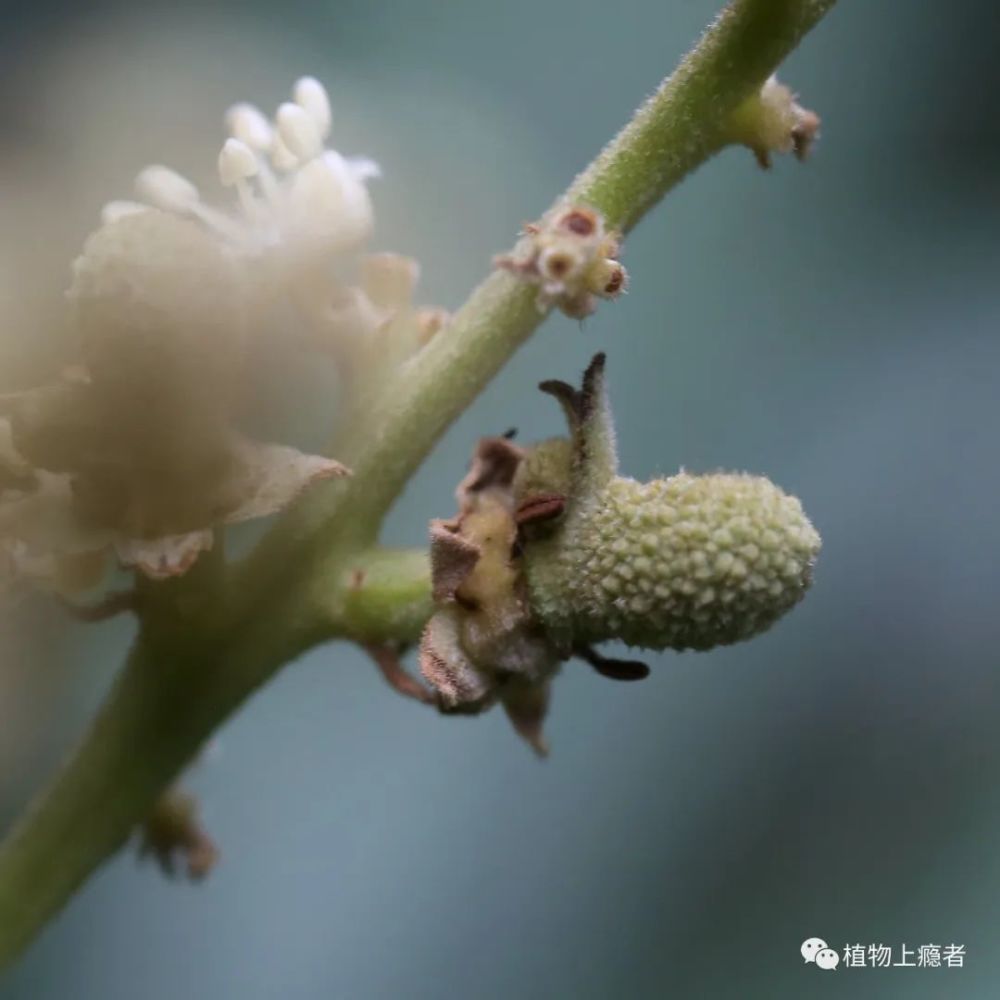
pixel 115 210
pixel 311 96
pixel 299 132
pixel 282 158
pixel 166 189
pixel 237 162
pixel 329 207
pixel 248 124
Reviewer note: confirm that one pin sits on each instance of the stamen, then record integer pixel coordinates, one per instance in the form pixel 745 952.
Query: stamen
pixel 237 162
pixel 329 204
pixel 311 96
pixel 225 225
pixel 283 159
pixel 115 210
pixel 248 124
pixel 166 189
pixel 364 169
pixel 267 182
pixel 299 132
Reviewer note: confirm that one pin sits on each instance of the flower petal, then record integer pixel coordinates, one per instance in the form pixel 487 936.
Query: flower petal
pixel 15 473
pixel 162 558
pixel 452 558
pixel 389 279
pixel 271 476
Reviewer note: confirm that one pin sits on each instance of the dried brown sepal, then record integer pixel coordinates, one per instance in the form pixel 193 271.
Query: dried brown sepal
pixel 163 558
pixel 448 669
pixel 539 508
pixel 452 558
pixel 172 833
pixel 390 666
pixel 527 704
pixel 805 132
pixel 481 645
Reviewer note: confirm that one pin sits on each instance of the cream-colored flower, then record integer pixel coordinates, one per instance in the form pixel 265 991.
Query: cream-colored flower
pixel 138 451
pixel 58 528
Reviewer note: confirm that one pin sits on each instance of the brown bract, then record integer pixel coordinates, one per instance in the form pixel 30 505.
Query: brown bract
pixel 172 832
pixel 78 479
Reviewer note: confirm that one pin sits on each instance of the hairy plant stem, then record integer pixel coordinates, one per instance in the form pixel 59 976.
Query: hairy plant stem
pixel 381 596
pixel 202 650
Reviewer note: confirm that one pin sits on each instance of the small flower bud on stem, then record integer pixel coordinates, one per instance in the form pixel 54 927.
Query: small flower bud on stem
pixel 572 258
pixel 772 121
pixel 173 829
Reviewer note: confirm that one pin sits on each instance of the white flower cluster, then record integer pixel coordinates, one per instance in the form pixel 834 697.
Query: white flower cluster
pixel 135 448
pixel 297 203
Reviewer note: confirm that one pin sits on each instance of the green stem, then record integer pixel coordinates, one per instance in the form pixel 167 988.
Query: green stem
pixel 182 680
pixel 381 596
pixel 685 121
pixel 165 704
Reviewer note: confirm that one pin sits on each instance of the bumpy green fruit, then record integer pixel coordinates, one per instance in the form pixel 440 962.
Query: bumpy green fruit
pixel 688 562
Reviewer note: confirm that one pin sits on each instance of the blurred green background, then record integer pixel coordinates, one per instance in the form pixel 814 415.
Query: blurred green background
pixel 833 326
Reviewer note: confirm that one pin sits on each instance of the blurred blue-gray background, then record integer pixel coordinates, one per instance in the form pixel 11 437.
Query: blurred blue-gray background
pixel 832 325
